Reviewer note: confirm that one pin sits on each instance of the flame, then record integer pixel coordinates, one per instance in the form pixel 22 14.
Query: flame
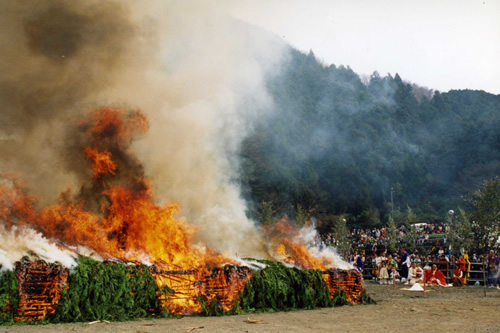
pixel 130 225
pixel 114 127
pixel 115 215
pixel 127 225
pixel 102 163
pixel 40 287
pixel 285 242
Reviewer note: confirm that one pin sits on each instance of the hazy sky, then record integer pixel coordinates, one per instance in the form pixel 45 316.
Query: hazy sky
pixel 440 44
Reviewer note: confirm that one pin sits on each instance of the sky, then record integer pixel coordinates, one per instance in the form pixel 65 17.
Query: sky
pixel 438 44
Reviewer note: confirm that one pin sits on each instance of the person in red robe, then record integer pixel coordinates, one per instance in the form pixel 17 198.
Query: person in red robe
pixel 458 275
pixel 435 276
pixel 461 263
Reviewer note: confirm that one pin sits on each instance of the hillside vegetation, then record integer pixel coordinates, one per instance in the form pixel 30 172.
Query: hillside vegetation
pixel 336 144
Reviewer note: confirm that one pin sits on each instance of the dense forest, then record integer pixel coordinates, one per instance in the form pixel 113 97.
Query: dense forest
pixel 339 145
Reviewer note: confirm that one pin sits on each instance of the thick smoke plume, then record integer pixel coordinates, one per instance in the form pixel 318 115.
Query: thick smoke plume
pixel 197 74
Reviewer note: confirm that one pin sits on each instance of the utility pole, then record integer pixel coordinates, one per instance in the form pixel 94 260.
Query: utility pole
pixel 392 203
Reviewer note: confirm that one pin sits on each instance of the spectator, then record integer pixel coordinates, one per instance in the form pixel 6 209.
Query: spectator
pixel 376 261
pixel 392 267
pixel 467 267
pixel 358 262
pixel 405 264
pixel 435 276
pixel 458 275
pixel 383 274
pixel 493 261
pixel 415 274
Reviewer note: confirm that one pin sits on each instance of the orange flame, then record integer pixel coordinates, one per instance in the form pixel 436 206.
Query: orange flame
pixel 40 288
pixel 123 222
pixel 129 225
pixel 285 242
pixel 102 163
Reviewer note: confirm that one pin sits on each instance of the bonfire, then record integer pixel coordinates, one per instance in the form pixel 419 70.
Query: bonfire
pixel 130 257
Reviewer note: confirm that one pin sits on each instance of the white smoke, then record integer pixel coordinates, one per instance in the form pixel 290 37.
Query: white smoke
pixel 19 242
pixel 202 88
pixel 308 235
pixel 197 73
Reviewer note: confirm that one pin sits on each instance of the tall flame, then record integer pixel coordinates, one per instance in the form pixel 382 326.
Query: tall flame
pixel 127 224
pixel 114 214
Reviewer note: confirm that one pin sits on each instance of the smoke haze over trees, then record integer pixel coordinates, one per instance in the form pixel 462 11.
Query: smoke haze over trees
pixel 241 127
pixel 335 144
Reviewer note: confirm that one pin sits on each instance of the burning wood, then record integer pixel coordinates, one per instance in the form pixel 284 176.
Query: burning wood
pixel 115 215
pixel 40 287
pixel 191 287
pixel 349 280
pixel 192 291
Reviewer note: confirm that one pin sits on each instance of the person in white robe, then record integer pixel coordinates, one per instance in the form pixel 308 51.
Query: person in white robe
pixel 415 274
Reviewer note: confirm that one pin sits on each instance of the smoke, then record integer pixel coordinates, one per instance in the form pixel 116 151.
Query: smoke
pixel 16 243
pixel 56 56
pixel 196 73
pixel 309 235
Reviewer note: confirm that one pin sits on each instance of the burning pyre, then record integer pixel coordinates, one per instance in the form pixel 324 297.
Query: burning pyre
pixel 114 216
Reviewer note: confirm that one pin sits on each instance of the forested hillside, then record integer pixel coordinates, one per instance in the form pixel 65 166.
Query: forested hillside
pixel 335 144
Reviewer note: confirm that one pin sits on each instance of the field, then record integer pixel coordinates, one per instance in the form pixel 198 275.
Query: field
pixel 440 309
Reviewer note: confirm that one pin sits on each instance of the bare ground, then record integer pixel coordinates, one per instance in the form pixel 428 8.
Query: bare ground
pixel 463 309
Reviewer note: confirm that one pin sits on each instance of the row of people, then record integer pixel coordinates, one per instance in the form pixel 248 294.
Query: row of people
pixel 406 266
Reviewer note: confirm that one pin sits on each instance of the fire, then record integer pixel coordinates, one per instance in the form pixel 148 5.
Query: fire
pixel 40 287
pixel 223 283
pixel 102 163
pixel 115 215
pixel 127 224
pixel 114 127
pixel 285 242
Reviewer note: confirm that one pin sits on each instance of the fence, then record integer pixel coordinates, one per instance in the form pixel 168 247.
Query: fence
pixel 477 273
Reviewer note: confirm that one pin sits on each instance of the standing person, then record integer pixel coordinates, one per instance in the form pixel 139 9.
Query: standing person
pixel 392 266
pixel 376 261
pixel 405 264
pixel 467 267
pixel 358 262
pixel 383 274
pixel 493 262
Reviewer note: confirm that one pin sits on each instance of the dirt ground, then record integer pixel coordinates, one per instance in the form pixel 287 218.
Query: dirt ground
pixel 463 309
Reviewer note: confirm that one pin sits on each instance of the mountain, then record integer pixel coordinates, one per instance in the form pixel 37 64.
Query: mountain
pixel 336 144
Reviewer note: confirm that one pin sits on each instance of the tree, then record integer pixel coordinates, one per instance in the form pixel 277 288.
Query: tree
pixel 392 235
pixel 333 143
pixel 411 230
pixel 343 242
pixel 458 232
pixel 303 215
pixel 486 212
pixel 267 213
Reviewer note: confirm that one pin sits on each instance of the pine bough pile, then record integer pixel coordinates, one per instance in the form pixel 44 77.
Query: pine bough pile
pixel 41 292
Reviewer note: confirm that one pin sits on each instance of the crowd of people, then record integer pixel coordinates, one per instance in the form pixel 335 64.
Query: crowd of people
pixel 431 237
pixel 432 259
pixel 442 270
pixel 376 236
pixel 378 239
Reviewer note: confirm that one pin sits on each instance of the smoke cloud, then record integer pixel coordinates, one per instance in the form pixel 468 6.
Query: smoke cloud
pixel 16 243
pixel 196 73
